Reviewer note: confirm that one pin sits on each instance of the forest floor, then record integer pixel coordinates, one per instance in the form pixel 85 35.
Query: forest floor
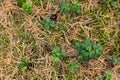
pixel 25 34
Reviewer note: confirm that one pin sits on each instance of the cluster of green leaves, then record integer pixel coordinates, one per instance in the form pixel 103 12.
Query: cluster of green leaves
pixel 75 8
pixel 73 66
pixel 107 76
pixel 113 59
pixel 57 54
pixel 48 24
pixel 27 6
pixel 111 2
pixel 68 7
pixel 88 49
pixel 20 2
pixel 24 63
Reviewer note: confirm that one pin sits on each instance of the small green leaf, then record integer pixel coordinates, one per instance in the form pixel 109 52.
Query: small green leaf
pixel 73 66
pixel 65 7
pixel 53 25
pixel 108 75
pixel 27 6
pixel 113 4
pixel 57 54
pixel 22 67
pixel 25 59
pixel 47 23
pixel 77 44
pixel 99 79
pixel 75 8
pixel 87 49
pixel 55 58
pixel 57 49
pixel 48 20
pixel 63 53
pixel 24 63
pixel 113 59
pixel 20 2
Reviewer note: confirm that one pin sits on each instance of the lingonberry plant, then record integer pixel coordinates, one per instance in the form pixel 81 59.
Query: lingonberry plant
pixel 111 2
pixel 57 54
pixel 73 66
pixel 27 6
pixel 65 7
pixel 107 76
pixel 20 2
pixel 70 7
pixel 113 59
pixel 48 24
pixel 24 63
pixel 75 7
pixel 87 49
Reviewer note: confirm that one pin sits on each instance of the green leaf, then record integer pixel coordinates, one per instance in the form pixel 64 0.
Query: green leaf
pixel 77 44
pixel 108 75
pixel 22 67
pixel 27 6
pixel 63 53
pixel 113 59
pixel 48 20
pixel 57 49
pixel 75 8
pixel 53 25
pixel 20 2
pixel 113 4
pixel 55 58
pixel 25 59
pixel 65 7
pixel 47 23
pixel 99 79
pixel 73 66
pixel 57 54
pixel 88 49
pixel 46 26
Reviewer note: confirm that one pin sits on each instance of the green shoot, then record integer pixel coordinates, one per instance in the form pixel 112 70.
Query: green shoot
pixel 27 6
pixel 24 64
pixel 57 54
pixel 88 49
pixel 47 23
pixel 73 66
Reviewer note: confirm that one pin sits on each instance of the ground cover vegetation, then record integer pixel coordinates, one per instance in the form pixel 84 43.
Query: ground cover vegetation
pixel 59 40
